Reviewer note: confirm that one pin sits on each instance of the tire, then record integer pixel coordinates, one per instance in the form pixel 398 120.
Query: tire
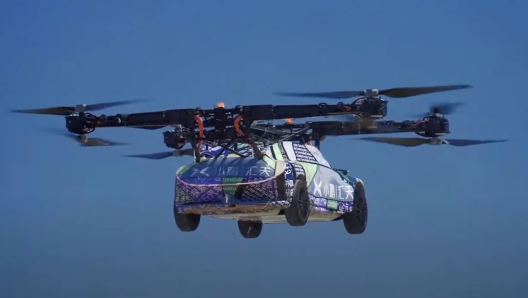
pixel 355 222
pixel 299 210
pixel 186 222
pixel 250 229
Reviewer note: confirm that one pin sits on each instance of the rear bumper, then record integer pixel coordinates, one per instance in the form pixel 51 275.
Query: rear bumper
pixel 230 191
pixel 222 208
pixel 221 191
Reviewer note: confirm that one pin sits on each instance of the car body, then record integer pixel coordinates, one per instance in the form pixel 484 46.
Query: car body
pixel 290 179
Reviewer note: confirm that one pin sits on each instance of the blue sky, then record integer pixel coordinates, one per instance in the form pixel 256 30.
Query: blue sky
pixel 85 222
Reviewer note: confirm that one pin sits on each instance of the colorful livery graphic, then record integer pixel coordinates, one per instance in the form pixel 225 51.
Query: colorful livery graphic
pixel 292 184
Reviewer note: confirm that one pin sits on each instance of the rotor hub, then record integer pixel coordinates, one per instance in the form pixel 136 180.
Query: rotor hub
pixel 435 141
pixel 373 107
pixel 432 126
pixel 437 110
pixel 80 108
pixel 371 92
pixel 175 139
pixel 82 123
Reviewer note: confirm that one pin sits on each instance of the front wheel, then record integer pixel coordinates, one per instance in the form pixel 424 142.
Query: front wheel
pixel 299 210
pixel 186 222
pixel 356 221
pixel 250 229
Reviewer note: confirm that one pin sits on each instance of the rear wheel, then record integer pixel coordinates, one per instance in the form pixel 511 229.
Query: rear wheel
pixel 299 210
pixel 356 221
pixel 186 222
pixel 250 229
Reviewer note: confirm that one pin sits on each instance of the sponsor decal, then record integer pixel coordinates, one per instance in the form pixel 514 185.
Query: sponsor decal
pixel 331 204
pixel 230 189
pixel 220 171
pixel 303 154
pixel 327 190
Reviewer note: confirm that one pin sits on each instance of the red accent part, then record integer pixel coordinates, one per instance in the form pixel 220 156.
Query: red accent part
pixel 236 124
pixel 199 121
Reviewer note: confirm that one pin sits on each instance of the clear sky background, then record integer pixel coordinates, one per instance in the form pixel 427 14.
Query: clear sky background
pixel 86 222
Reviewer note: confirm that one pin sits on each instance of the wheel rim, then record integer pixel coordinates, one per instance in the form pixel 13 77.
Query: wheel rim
pixel 303 203
pixel 361 210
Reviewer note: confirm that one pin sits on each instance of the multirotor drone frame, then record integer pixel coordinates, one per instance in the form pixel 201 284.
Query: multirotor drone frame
pixel 195 121
pixel 228 127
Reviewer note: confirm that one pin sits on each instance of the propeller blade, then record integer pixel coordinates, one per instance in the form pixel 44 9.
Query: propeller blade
pixel 406 142
pixel 61 111
pixel 163 155
pixel 93 142
pixel 462 143
pixel 441 108
pixel 445 108
pixel 159 155
pixel 336 95
pixel 414 91
pixel 393 92
pixel 344 118
pixel 84 140
pixel 263 130
pixel 106 105
pixel 260 122
pixel 147 127
pixel 74 137
pixel 64 111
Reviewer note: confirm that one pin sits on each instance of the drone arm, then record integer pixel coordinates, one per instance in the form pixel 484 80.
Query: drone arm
pixel 306 111
pixel 187 117
pixel 395 127
pixel 148 119
pixel 328 128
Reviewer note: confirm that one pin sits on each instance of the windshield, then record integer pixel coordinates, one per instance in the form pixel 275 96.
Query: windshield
pixel 318 155
pixel 297 152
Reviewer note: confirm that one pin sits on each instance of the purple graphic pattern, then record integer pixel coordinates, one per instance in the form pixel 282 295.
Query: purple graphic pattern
pixel 321 204
pixel 211 190
pixel 189 192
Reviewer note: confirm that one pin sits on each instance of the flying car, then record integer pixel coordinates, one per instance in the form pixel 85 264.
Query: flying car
pixel 233 175
pixel 254 171
pixel 292 184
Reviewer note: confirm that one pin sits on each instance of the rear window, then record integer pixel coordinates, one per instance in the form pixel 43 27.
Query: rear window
pixel 230 167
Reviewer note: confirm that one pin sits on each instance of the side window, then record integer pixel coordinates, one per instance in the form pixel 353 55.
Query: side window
pixel 343 176
pixel 351 180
